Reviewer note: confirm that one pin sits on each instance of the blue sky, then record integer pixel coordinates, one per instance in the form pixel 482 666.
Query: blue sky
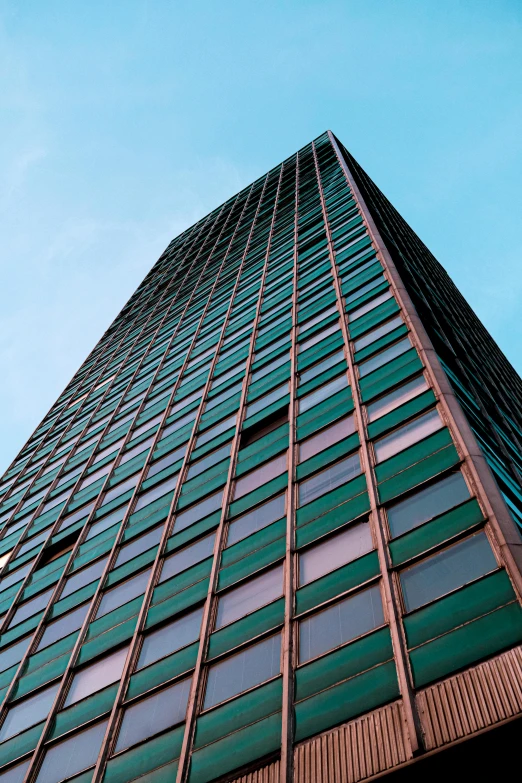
pixel 122 123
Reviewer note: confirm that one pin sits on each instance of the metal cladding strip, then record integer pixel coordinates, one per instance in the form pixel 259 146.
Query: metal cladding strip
pixel 287 722
pixel 472 700
pixel 33 768
pixel 356 750
pixel 507 538
pixel 77 415
pixel 266 774
pixel 208 614
pixel 133 653
pixel 392 603
pixel 81 537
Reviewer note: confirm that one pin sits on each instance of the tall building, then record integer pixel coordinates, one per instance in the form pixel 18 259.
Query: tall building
pixel 270 530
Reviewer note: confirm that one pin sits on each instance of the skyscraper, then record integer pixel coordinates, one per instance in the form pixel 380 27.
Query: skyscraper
pixel 270 530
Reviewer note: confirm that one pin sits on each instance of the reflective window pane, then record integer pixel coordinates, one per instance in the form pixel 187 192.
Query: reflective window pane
pixel 139 545
pixel 260 476
pixel 329 479
pixel 334 552
pixel 250 595
pixel 72 755
pixel 327 437
pixel 62 627
pixel 447 570
pixel 198 511
pixel 382 358
pixel 189 556
pixel 28 712
pixel 257 519
pixel 340 623
pixel 380 331
pixel 323 393
pixel 407 435
pixel 149 716
pixel 123 593
pixel 170 637
pixel 395 398
pixel 84 577
pixel 31 607
pixel 96 676
pixel 427 503
pixel 14 654
pixel 242 671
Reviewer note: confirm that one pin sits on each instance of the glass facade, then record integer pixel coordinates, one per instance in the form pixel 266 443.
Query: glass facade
pixel 254 515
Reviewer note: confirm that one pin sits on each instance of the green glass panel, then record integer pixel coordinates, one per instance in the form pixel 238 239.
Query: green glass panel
pixel 178 603
pixel 84 710
pixel 254 542
pixel 400 414
pixel 326 412
pixel 391 374
pixel 373 318
pixel 248 565
pixel 107 641
pixel 16 746
pixel 145 757
pixel 328 501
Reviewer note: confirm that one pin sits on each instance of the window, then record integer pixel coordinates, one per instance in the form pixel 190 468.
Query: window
pixel 257 519
pixel 446 571
pixel 14 576
pixel 272 347
pixel 207 462
pixel 167 461
pixel 84 577
pixel 319 336
pixel 28 712
pixel 427 503
pixel 397 397
pixel 178 424
pixel 383 357
pixel 268 368
pixel 313 321
pixel 260 476
pixel 248 668
pixel 324 364
pixel 154 714
pixel 119 489
pixel 139 545
pixel 327 437
pixel 123 593
pixel 134 451
pixel 96 676
pixel 156 492
pixel 334 552
pixel 213 432
pixel 14 654
pixel 250 595
pixel 340 623
pixel 198 511
pixel 329 479
pixel 170 637
pixel 62 627
pixel 407 435
pixel 366 308
pixel 375 334
pixel 105 523
pixel 15 774
pixel 72 755
pixel 263 402
pixel 323 393
pixel 225 395
pixel 31 607
pixel 82 512
pixel 187 557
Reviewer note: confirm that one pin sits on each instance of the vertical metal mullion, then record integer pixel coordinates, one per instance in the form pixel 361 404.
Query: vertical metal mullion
pixel 411 717
pixel 34 765
pixel 503 527
pixel 132 654
pixel 287 719
pixel 195 690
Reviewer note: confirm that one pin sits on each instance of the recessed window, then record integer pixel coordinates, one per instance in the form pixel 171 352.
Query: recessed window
pixel 329 479
pixel 154 714
pixel 260 476
pixel 72 755
pixel 63 626
pixel 96 676
pixel 334 552
pixel 187 557
pixel 249 596
pixel 327 437
pixel 397 397
pixel 244 670
pixel 376 334
pixel 170 637
pixel 28 712
pixel 427 503
pixel 323 393
pixel 446 571
pixel 268 399
pixel 340 623
pixel 257 519
pixel 383 357
pixel 124 592
pixel 407 435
